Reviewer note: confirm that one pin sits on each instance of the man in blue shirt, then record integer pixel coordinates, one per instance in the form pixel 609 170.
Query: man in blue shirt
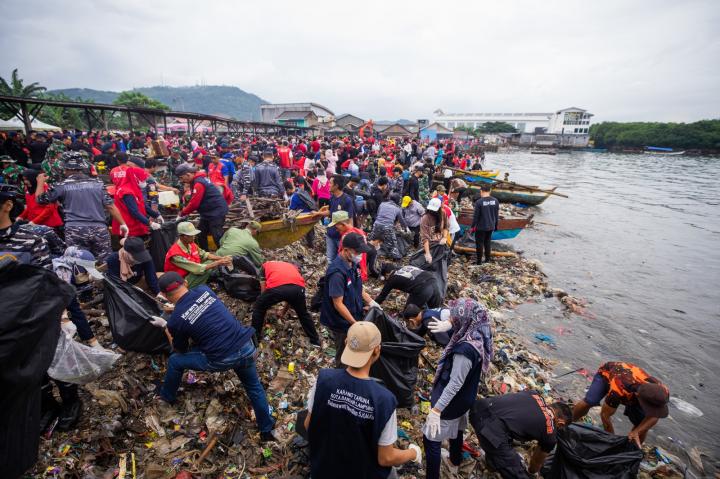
pixel 351 420
pixel 220 342
pixel 343 295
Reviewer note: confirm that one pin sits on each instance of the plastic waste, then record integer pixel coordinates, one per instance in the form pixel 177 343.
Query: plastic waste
pixel 79 364
pixel 685 407
pixel 128 310
pixel 398 363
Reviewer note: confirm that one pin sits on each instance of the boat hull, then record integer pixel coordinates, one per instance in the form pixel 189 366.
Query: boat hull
pixel 508 227
pixel 517 196
pixel 277 233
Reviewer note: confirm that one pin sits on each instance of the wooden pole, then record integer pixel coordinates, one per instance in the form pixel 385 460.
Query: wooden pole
pixel 26 118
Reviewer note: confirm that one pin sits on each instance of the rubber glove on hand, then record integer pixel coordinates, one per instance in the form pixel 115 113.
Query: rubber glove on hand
pixel 436 326
pixel 433 423
pixel 374 304
pixel 160 219
pixel 428 257
pixel 179 217
pixel 124 230
pixel 155 226
pixel 158 322
pixel 418 454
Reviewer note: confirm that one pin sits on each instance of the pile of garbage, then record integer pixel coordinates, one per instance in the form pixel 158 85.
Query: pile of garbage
pixel 211 431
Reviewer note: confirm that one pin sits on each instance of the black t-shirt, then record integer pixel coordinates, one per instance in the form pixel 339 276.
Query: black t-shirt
pixel 486 215
pixel 409 279
pixel 526 417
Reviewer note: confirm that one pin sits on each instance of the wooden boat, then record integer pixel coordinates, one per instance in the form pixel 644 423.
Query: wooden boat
pixel 279 233
pixel 664 153
pixel 508 226
pixel 478 176
pixel 517 194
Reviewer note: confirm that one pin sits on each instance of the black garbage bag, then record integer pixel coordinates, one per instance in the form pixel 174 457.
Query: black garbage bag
pixel 32 300
pixel 398 363
pixel 128 310
pixel 245 265
pixel 440 256
pixel 160 242
pixel 585 452
pixel 239 285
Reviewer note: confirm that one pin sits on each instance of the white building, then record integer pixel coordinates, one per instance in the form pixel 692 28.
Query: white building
pixel 271 112
pixel 566 121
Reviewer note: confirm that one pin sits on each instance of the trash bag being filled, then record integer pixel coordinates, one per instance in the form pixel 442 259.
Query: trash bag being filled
pixel 160 242
pixel 398 363
pixel 79 364
pixel 439 267
pixel 128 310
pixel 584 452
pixel 31 300
pixel 240 285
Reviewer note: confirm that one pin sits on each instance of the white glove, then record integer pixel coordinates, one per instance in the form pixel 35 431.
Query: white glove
pixel 160 219
pixel 374 304
pixel 155 226
pixel 428 257
pixel 433 424
pixel 440 326
pixel 124 230
pixel 418 454
pixel 179 217
pixel 158 322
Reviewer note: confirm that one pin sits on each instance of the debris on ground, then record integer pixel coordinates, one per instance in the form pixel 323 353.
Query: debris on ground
pixel 211 431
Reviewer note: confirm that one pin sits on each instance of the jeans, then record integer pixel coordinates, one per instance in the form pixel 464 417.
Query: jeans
pixel 79 320
pixel 331 247
pixel 432 455
pixel 213 226
pixel 242 362
pixel 295 297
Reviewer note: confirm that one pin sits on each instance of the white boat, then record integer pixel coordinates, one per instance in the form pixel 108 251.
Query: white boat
pixel 665 153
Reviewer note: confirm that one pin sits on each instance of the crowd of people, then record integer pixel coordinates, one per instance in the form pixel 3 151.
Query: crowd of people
pixel 85 205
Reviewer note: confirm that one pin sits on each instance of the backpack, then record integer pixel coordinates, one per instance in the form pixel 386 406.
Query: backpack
pixel 307 200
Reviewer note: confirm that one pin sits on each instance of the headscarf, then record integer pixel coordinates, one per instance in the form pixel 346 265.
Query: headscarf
pixel 471 324
pixel 31 176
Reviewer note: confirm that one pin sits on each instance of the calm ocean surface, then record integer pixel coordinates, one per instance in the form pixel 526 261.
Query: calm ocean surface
pixel 639 239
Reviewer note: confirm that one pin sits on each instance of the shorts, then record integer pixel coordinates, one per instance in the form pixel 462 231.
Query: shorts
pixel 599 388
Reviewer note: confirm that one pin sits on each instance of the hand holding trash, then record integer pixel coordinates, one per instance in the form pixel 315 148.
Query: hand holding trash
pixel 124 230
pixel 158 322
pixel 433 423
pixel 374 304
pixel 418 454
pixel 436 326
pixel 155 226
pixel 428 257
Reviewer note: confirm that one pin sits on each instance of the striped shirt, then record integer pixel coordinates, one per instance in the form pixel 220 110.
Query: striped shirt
pixel 22 239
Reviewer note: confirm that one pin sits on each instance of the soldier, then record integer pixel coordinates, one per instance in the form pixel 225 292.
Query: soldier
pixel 267 177
pixel 11 171
pixel 85 202
pixel 51 165
pixel 244 180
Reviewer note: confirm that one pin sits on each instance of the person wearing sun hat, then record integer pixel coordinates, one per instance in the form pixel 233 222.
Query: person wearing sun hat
pixel 187 259
pixel 133 262
pixel 645 398
pixel 351 419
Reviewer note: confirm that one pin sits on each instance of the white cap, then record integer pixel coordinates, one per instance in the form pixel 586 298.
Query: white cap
pixel 434 204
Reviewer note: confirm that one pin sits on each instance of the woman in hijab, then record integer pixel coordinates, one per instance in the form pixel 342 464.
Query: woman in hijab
pixel 321 189
pixel 463 361
pixel 35 213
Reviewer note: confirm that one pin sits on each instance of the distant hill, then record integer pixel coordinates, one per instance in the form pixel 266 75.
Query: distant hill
pixel 212 100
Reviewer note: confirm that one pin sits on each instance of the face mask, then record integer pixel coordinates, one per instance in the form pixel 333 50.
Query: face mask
pixel 142 184
pixel 357 258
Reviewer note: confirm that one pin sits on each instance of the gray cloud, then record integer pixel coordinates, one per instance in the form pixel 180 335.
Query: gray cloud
pixel 621 59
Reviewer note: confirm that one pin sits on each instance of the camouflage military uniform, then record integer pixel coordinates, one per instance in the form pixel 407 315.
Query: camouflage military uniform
pixel 51 165
pixel 13 176
pixel 424 189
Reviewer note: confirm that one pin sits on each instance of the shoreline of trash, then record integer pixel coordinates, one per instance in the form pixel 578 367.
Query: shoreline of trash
pixel 211 431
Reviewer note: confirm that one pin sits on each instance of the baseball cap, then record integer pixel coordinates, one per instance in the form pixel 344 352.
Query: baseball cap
pixel 184 169
pixel 6 159
pixel 339 217
pixel 355 241
pixel 136 247
pixel 653 399
pixel 362 338
pixel 434 204
pixel 255 225
pixel 84 258
pixel 187 228
pixel 406 201
pixel 170 281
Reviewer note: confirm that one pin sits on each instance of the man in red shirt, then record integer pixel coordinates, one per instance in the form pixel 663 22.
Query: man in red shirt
pixel 286 157
pixel 281 281
pixel 315 145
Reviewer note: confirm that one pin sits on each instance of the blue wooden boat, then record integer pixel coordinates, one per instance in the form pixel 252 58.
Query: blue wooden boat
pixel 508 227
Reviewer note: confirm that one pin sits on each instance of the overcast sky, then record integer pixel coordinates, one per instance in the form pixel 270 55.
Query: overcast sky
pixel 388 59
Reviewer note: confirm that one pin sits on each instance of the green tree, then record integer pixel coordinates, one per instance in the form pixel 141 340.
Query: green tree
pixel 496 127
pixel 136 99
pixel 16 87
pixel 703 135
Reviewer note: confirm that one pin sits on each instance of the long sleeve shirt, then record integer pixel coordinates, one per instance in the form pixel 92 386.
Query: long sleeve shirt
pixel 413 214
pixel 486 214
pixel 189 266
pixel 460 369
pixel 388 213
pixel 195 200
